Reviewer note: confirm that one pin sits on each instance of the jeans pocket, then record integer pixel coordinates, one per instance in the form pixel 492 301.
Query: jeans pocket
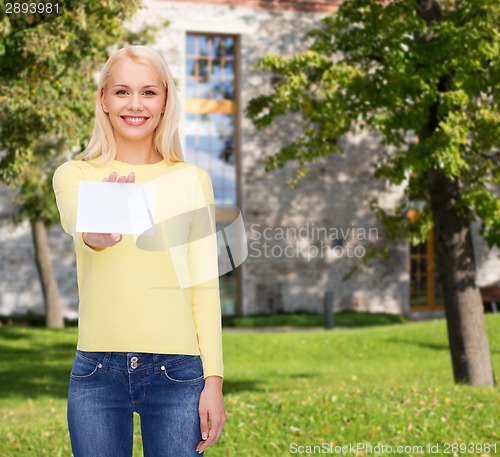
pixel 85 366
pixel 187 369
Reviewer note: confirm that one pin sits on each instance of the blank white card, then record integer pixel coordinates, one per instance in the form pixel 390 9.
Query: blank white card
pixel 112 207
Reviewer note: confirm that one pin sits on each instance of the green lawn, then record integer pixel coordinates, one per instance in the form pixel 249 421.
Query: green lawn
pixel 341 319
pixel 385 386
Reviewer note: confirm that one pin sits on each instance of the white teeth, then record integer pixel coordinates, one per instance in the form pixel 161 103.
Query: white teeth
pixel 136 120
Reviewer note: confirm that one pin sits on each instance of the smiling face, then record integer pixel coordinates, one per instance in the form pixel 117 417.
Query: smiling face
pixel 134 98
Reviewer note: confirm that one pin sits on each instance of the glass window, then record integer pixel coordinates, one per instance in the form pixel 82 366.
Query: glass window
pixel 210 111
pixel 210 67
pixel 210 130
pixel 210 144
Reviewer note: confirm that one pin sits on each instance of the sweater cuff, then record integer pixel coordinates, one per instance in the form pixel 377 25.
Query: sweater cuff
pixel 214 367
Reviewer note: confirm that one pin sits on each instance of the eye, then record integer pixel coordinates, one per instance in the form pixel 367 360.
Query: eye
pixel 120 91
pixel 150 92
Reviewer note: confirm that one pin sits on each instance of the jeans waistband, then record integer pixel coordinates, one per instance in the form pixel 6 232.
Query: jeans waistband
pixel 133 361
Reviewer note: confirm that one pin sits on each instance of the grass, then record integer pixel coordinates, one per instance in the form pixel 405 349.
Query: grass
pixel 341 319
pixel 385 386
pixel 300 319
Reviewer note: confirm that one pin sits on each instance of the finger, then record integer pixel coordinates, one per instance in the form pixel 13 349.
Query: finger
pixel 215 430
pixel 116 237
pixel 218 432
pixel 213 436
pixel 203 429
pixel 203 445
pixel 105 179
pixel 122 179
pixel 131 177
pixel 204 425
pixel 112 176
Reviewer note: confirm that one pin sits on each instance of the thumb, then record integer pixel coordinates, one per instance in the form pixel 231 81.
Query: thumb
pixel 116 237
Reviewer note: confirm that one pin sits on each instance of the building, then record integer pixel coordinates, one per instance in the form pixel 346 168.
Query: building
pixel 301 242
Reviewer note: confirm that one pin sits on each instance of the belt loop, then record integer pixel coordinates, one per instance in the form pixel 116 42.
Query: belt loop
pixel 156 358
pixel 106 361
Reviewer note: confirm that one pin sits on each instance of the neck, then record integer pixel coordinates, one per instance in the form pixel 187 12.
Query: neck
pixel 139 152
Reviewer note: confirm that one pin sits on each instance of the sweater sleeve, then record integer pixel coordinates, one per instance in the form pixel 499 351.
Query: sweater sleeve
pixel 203 263
pixel 66 182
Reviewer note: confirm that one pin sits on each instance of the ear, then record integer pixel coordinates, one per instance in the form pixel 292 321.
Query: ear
pixel 104 104
pixel 164 105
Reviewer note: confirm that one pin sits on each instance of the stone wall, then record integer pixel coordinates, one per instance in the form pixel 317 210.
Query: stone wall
pixel 20 289
pixel 333 196
pixel 316 6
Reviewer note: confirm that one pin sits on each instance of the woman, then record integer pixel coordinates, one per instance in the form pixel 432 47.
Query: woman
pixel 146 343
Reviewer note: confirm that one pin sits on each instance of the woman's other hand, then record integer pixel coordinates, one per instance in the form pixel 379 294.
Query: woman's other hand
pixel 107 240
pixel 211 407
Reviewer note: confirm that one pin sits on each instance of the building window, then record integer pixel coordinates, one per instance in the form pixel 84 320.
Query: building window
pixel 211 132
pixel 425 286
pixel 211 111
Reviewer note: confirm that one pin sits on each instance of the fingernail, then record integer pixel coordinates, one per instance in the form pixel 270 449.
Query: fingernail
pixel 204 436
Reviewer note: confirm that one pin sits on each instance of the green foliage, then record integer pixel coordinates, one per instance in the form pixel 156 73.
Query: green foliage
pixel 47 94
pixel 379 66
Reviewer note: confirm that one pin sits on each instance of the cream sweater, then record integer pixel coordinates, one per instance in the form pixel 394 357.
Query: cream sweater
pixel 140 298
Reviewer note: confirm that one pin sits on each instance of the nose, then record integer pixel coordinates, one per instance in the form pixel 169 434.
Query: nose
pixel 135 103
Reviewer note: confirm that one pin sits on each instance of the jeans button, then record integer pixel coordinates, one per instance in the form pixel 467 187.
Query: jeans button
pixel 134 359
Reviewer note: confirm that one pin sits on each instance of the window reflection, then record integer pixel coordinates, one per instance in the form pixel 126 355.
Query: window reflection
pixel 210 67
pixel 210 145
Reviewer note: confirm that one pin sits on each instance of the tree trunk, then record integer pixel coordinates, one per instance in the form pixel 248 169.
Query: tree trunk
pixel 53 313
pixel 467 335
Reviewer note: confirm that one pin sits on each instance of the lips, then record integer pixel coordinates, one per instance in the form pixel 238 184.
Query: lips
pixel 135 120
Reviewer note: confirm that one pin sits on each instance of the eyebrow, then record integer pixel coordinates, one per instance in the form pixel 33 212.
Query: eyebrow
pixel 144 87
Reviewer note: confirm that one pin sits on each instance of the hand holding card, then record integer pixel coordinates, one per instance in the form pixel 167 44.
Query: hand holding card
pixel 108 209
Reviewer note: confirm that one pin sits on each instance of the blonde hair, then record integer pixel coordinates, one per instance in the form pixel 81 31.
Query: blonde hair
pixel 166 139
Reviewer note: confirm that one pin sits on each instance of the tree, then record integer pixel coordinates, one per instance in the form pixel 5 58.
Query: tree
pixel 410 67
pixel 47 94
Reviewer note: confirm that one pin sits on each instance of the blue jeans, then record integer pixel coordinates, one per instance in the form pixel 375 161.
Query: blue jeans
pixel 106 388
